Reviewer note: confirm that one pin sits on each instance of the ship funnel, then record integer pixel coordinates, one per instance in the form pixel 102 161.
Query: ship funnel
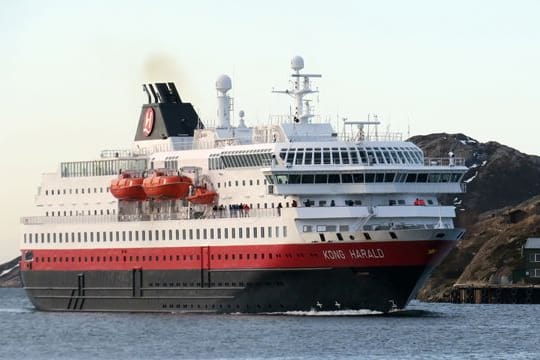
pixel 224 84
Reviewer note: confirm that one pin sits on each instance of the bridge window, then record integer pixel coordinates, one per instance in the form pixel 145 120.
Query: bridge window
pixel 308 179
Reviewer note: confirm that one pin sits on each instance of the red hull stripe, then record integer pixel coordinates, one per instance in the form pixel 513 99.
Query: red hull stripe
pixel 368 255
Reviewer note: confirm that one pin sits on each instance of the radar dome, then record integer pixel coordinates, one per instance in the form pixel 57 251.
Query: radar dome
pixel 241 113
pixel 297 63
pixel 223 83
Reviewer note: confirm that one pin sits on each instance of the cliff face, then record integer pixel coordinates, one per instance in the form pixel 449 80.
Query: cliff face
pixel 9 274
pixel 500 181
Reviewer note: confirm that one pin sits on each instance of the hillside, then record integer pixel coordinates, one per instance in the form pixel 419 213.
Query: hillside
pixel 500 180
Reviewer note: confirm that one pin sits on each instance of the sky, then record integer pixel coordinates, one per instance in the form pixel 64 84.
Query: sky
pixel 72 71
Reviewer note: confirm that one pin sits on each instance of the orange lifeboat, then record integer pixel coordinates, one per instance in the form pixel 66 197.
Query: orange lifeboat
pixel 202 196
pixel 164 186
pixel 128 187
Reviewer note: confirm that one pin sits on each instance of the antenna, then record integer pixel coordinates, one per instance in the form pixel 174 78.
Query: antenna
pixel 299 90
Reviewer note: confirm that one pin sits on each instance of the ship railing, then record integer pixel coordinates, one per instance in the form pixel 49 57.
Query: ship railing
pixel 81 219
pixel 389 136
pixel 118 153
pixel 184 215
pixel 444 161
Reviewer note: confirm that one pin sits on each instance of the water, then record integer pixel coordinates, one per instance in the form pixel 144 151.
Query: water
pixel 423 331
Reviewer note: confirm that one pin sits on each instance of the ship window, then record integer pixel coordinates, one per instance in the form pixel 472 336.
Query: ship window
pixel 294 179
pixel 344 156
pixel 78 237
pixel 321 236
pixel 281 179
pixel 358 178
pixel 184 234
pixel 367 236
pixel 333 179
pixel 411 177
pixel 422 178
pixel 290 156
pixel 393 235
pixel 326 156
pixel 307 228
pixel 284 231
pixel 299 157
pixel 197 234
pixel 335 156
pixel 211 234
pixel 317 156
pixel 262 231
pixel 247 233
pixel 240 233
pixel 389 177
pixel 218 234
pixel 379 178
pixel 233 233
pixel 321 179
pixel 370 178
pixel 149 235
pixel 190 234
pixel 308 157
pixel 346 178
pixel 254 232
pixel 307 179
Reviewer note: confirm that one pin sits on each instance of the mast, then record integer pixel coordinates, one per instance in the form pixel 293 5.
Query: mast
pixel 301 87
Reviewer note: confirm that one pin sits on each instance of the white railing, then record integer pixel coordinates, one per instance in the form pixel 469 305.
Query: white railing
pixel 448 161
pixel 225 213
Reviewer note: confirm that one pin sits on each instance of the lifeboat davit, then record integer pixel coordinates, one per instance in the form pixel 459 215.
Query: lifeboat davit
pixel 166 186
pixel 128 187
pixel 202 196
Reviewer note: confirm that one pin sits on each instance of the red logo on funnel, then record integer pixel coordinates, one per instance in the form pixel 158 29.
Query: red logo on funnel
pixel 148 125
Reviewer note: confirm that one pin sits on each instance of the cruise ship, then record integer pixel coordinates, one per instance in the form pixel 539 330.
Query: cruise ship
pixel 289 216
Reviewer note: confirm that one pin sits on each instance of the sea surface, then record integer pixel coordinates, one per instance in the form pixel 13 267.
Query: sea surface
pixel 423 331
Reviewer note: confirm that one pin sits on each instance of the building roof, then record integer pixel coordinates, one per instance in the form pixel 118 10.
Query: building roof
pixel 532 243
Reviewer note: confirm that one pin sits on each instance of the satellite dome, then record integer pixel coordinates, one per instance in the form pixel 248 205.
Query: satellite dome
pixel 297 63
pixel 241 113
pixel 223 83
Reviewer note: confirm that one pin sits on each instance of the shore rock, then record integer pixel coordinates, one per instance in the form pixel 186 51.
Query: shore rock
pixel 10 274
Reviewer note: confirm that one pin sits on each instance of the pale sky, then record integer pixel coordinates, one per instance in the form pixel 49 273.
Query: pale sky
pixel 71 71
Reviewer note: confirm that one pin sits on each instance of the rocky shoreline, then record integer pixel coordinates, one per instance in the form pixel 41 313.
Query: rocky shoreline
pixel 10 275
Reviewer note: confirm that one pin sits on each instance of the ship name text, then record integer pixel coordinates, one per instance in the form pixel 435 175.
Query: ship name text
pixel 353 254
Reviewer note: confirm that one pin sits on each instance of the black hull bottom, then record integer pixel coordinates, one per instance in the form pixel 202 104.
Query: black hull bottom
pixel 245 291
